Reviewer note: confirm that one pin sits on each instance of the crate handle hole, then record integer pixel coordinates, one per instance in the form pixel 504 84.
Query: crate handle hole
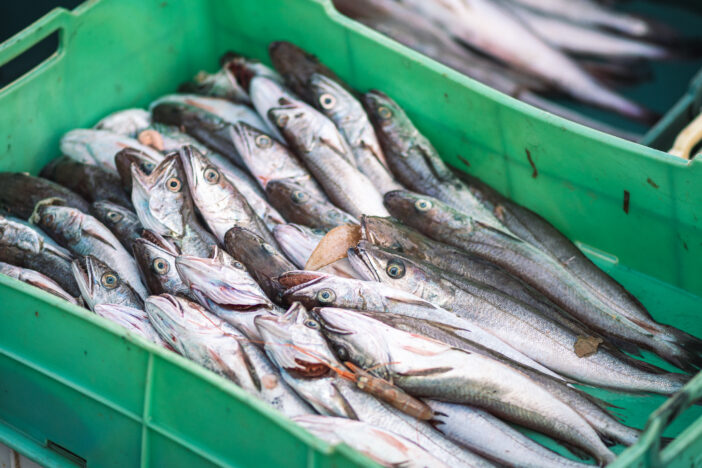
pixel 29 59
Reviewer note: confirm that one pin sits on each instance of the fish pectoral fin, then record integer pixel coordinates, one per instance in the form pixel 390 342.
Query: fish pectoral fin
pixel 428 372
pixel 343 403
pixel 214 355
pixel 500 232
pixel 97 236
pixel 338 150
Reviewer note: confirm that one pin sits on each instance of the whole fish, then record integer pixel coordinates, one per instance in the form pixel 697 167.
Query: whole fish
pixel 219 202
pixel 83 235
pixel 168 139
pixel 317 289
pixel 480 23
pixel 133 319
pixel 427 368
pixel 21 192
pixel 99 147
pixel 211 342
pixel 91 182
pixel 224 83
pixel 534 229
pixel 224 286
pixel 99 284
pixel 123 222
pixel 299 205
pixel 163 204
pixel 516 323
pixel 156 259
pixel 263 261
pixel 317 141
pixel 295 345
pixel 491 437
pixel 297 242
pixel 536 268
pixel 127 122
pixel 27 246
pixel 36 279
pixel 384 447
pixel 334 101
pixel 207 119
pixel 268 159
pixel 415 161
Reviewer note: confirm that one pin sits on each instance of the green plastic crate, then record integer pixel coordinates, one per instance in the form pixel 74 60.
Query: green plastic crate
pixel 75 389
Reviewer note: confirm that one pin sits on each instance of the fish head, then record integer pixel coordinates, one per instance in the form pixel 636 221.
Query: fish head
pixel 259 151
pixel 112 214
pixel 294 343
pixel 241 70
pixel 421 210
pixel 156 261
pixel 317 289
pixel 265 93
pixel 252 249
pixel 297 122
pixel 392 126
pixel 63 223
pixel 161 199
pixel 332 99
pixel 221 282
pixel 16 235
pixel 99 284
pixel 297 241
pixel 355 337
pixel 126 122
pixel 297 66
pixel 206 182
pixel 386 232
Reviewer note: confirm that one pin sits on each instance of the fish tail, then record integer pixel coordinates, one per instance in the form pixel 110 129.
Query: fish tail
pixel 685 359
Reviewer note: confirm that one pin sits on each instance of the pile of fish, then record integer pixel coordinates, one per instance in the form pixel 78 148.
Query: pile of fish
pixel 308 243
pixel 533 49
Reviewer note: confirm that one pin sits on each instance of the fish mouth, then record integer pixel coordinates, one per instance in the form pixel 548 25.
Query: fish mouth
pixel 84 279
pixel 362 263
pixel 161 306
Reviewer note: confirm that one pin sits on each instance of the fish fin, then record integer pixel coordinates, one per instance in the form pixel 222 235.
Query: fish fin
pixel 347 408
pixel 494 230
pixel 379 156
pixel 685 340
pixel 225 369
pixel 438 168
pixel 426 372
pixel 578 452
pixel 97 236
pixel 340 151
pixel 618 344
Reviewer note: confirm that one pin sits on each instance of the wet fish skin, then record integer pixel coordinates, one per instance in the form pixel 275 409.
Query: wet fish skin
pixel 317 141
pixel 224 286
pixel 299 205
pixel 220 203
pixel 263 261
pixel 99 147
pixel 414 160
pixel 123 222
pixel 538 269
pixel 21 192
pixel 334 101
pixel 163 204
pixel 431 369
pixel 297 242
pixel 127 122
pixel 89 181
pixel 133 319
pixel 515 323
pixel 156 259
pixel 268 159
pixel 27 246
pixel 294 343
pixel 36 279
pixel 383 447
pixel 99 284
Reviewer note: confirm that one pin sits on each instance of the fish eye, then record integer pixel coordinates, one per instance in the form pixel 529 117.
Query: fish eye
pixel 268 248
pixel 174 184
pixel 148 166
pixel 161 266
pixel 326 296
pixel 109 280
pixel 327 101
pixel 282 120
pixel 49 218
pixel 263 141
pixel 211 175
pixel 114 216
pixel 298 196
pixel 422 205
pixel 395 269
pixel 238 265
pixel 309 323
pixel 384 113
pixel 342 353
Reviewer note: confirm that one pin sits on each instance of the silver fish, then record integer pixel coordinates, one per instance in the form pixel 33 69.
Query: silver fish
pixel 84 235
pixel 297 242
pixel 156 258
pixel 220 203
pixel 133 319
pixel 334 101
pixel 382 446
pixel 36 279
pixel 127 122
pixel 99 284
pixel 223 285
pixel 427 368
pixel 99 147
